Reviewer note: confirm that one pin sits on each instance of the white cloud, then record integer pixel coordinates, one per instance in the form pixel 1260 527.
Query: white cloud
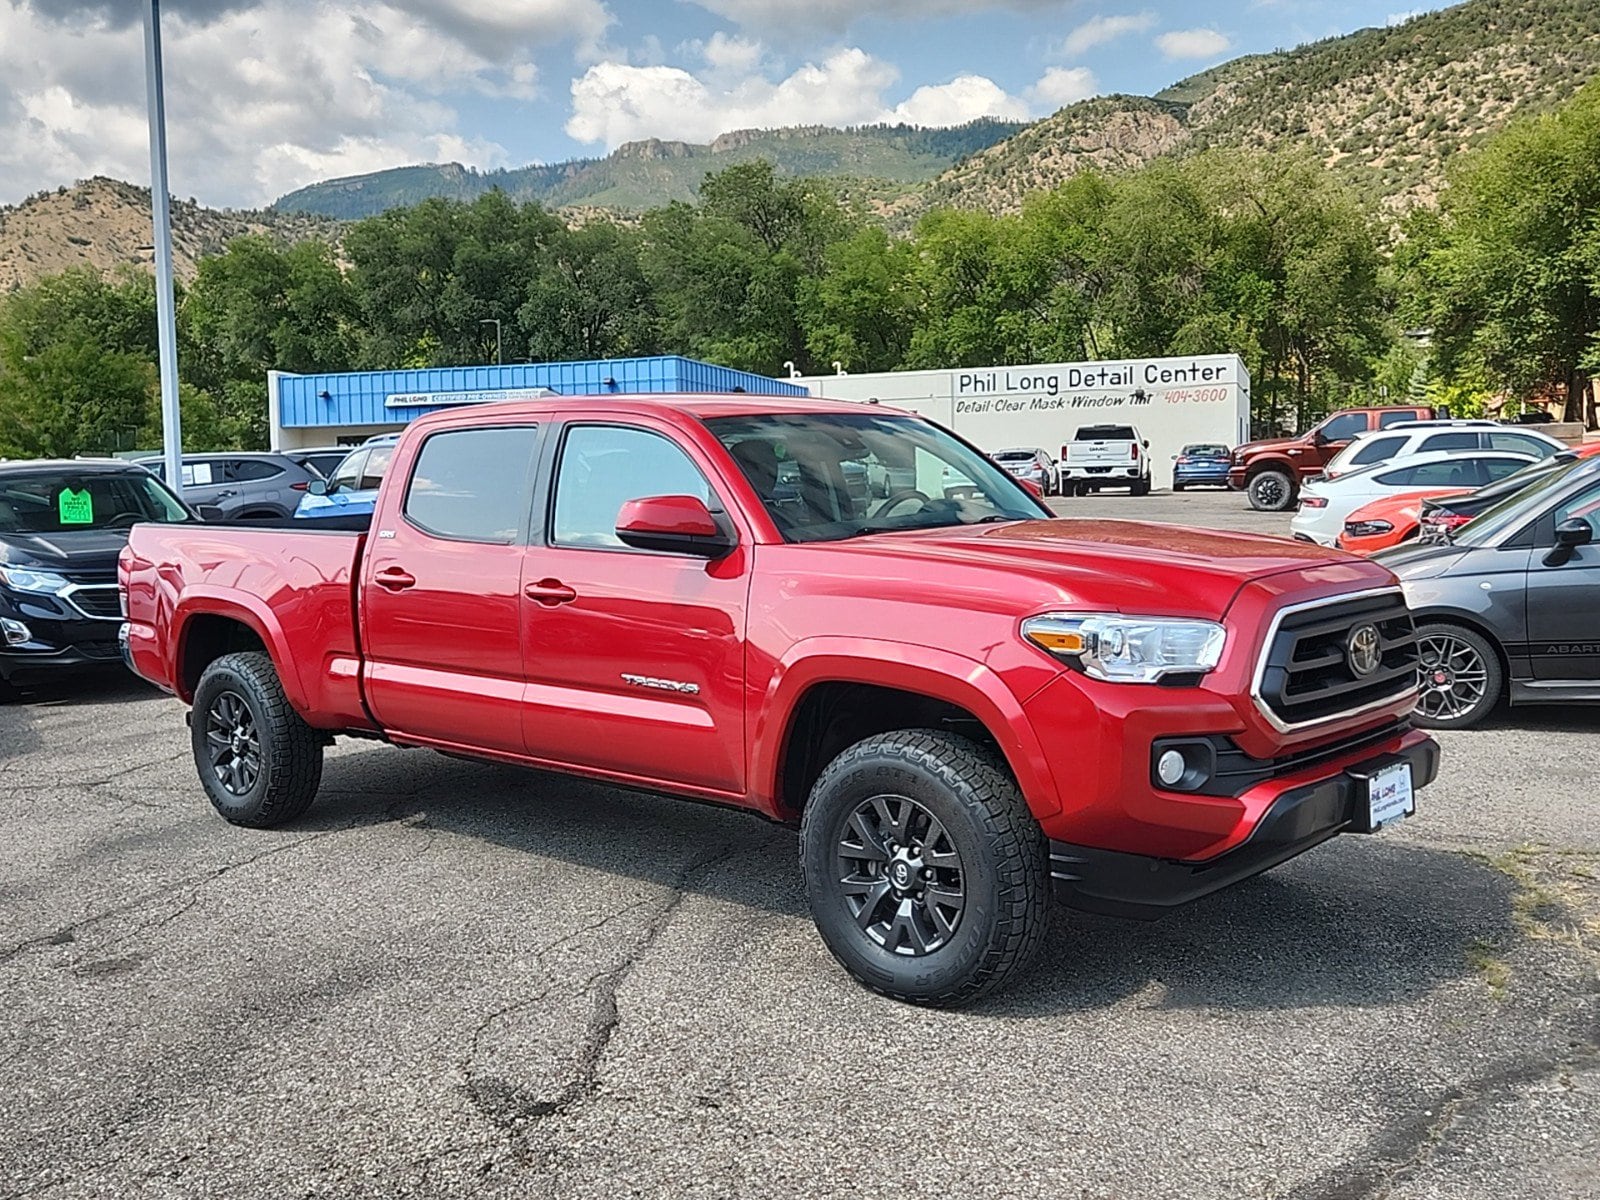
pixel 1193 43
pixel 1400 18
pixel 266 98
pixel 837 15
pixel 1097 31
pixel 614 103
pixel 965 98
pixel 1062 86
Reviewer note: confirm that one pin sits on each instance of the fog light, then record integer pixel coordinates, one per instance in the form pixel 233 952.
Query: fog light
pixel 15 632
pixel 1171 768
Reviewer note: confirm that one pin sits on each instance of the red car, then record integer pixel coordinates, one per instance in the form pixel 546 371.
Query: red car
pixel 1388 521
pixel 956 698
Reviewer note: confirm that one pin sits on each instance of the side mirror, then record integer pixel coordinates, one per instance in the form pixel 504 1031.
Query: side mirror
pixel 1146 445
pixel 673 525
pixel 210 512
pixel 317 487
pixel 1570 534
pixel 1318 438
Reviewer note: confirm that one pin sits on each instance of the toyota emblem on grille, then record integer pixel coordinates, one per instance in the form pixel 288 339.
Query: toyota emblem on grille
pixel 1364 650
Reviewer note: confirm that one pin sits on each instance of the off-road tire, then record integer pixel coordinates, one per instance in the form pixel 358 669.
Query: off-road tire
pixel 1003 859
pixel 290 751
pixel 1271 491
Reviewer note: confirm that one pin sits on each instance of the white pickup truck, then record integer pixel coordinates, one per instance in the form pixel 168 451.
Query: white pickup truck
pixel 1105 456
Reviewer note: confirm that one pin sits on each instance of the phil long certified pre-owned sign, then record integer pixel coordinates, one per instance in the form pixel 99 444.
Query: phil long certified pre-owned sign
pixel 1173 402
pixel 434 399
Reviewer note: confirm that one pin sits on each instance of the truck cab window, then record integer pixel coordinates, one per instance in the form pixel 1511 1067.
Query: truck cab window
pixel 605 466
pixel 472 485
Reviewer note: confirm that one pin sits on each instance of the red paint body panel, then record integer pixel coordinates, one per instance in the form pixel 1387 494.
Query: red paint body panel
pixel 1401 511
pixel 670 672
pixel 294 590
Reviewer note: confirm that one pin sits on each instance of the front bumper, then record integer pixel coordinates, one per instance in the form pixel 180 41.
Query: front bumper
pixel 1300 817
pixel 57 638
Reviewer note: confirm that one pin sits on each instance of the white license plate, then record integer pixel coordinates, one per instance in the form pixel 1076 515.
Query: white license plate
pixel 1390 795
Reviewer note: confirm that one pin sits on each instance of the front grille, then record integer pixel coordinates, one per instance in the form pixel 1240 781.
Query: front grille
pixel 1306 675
pixel 103 603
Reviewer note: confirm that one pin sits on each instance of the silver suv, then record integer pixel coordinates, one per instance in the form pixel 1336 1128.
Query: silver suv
pixel 241 486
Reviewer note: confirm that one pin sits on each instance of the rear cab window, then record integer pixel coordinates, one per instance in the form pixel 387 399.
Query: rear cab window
pixel 472 485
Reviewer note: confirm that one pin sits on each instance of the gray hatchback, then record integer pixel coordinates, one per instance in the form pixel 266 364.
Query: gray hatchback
pixel 1509 607
pixel 241 486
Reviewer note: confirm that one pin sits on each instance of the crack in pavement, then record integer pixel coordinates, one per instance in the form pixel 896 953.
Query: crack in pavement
pixel 516 1112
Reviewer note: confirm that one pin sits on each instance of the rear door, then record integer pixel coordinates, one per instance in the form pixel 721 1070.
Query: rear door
pixel 260 486
pixel 635 659
pixel 442 584
pixel 1564 600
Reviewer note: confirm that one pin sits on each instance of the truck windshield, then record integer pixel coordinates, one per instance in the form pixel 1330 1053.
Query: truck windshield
pixel 829 476
pixel 60 500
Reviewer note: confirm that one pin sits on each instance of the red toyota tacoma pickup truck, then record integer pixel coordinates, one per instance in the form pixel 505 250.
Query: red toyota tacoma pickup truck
pixel 957 698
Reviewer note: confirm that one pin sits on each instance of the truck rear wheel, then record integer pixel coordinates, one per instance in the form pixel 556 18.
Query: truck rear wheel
pixel 259 762
pixel 925 871
pixel 1271 491
pixel 1140 488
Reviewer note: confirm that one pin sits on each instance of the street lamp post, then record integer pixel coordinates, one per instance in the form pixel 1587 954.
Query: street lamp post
pixel 496 323
pixel 161 214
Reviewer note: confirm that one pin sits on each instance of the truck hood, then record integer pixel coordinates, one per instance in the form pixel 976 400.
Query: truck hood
pixel 92 552
pixel 1277 443
pixel 1129 566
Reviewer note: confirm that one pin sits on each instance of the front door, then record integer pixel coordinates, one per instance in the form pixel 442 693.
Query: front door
pixel 442 590
pixel 634 659
pixel 1564 600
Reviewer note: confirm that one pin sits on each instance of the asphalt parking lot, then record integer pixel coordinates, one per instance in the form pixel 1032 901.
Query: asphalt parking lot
pixel 461 980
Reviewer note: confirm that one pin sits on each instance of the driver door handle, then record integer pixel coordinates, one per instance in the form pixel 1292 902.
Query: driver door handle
pixel 395 579
pixel 550 592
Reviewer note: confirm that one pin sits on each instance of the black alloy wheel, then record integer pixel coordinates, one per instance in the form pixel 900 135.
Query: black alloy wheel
pixel 901 876
pixel 232 744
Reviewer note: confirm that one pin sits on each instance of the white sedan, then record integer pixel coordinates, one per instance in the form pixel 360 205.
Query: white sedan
pixel 1325 503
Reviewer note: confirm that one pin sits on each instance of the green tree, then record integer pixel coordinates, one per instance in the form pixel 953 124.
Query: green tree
pixel 427 278
pixel 589 297
pixel 1508 272
pixel 71 397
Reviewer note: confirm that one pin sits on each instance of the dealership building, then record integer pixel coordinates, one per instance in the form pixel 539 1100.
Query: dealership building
pixel 346 409
pixel 1173 402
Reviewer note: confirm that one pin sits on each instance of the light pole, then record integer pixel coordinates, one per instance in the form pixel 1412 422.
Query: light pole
pixel 495 321
pixel 161 214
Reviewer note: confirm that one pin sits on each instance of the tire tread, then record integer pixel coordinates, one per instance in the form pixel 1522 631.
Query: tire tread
pixel 1009 830
pixel 294 769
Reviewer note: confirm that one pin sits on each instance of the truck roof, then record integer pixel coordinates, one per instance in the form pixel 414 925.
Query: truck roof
pixel 700 406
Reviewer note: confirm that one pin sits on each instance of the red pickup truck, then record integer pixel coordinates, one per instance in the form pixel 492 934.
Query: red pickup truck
pixel 1270 472
pixel 957 698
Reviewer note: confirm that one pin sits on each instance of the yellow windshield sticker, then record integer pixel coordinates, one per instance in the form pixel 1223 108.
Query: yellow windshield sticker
pixel 76 508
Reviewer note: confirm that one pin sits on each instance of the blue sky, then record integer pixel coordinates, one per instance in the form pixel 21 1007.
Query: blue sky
pixel 267 95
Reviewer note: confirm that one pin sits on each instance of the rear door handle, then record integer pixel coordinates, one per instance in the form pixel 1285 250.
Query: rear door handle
pixel 550 592
pixel 394 579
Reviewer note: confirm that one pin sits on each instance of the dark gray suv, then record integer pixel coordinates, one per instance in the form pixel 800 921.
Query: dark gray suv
pixel 241 486
pixel 1509 607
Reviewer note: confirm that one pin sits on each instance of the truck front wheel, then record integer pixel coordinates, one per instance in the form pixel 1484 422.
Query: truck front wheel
pixel 1271 491
pixel 259 762
pixel 925 871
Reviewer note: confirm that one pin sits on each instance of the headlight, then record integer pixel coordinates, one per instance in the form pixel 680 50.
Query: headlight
pixel 1122 649
pixel 24 579
pixel 1367 528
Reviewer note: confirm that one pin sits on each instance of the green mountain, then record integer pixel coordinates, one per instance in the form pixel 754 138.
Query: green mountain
pixel 1384 108
pixel 643 175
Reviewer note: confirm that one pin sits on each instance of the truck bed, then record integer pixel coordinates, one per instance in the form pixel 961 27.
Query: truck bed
pixel 292 587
